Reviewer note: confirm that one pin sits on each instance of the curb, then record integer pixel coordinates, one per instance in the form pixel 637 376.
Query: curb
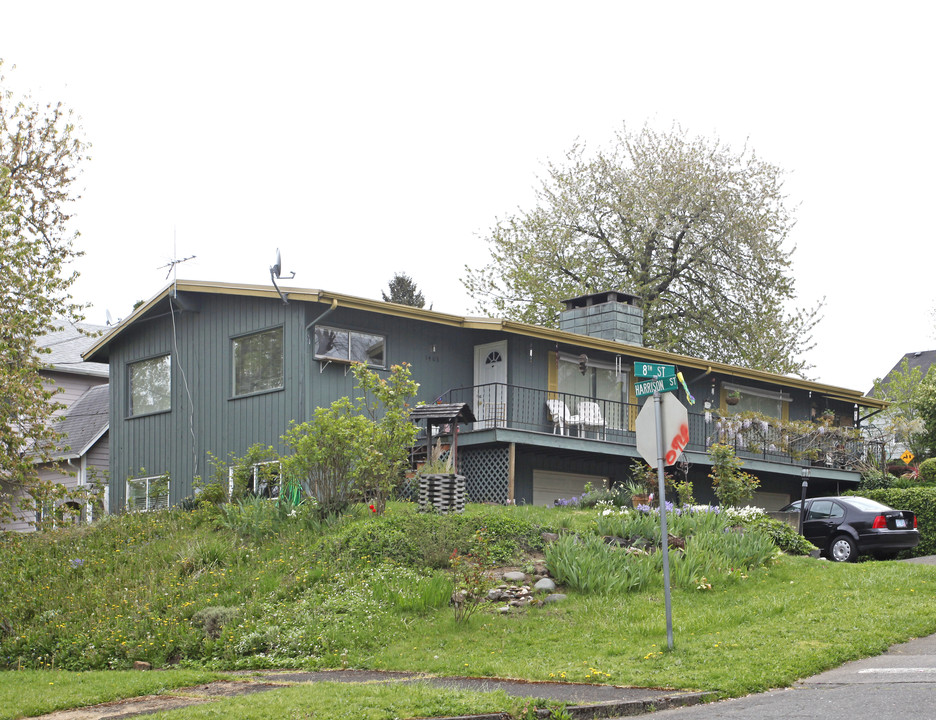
pixel 609 709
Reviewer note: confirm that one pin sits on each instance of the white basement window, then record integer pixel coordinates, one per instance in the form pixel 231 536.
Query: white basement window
pixel 148 493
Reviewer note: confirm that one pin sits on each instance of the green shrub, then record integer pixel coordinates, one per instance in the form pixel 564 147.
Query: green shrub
pixel 427 540
pixel 731 484
pixel 782 534
pixel 875 480
pixel 919 500
pixel 213 619
pixel 326 453
pixel 928 471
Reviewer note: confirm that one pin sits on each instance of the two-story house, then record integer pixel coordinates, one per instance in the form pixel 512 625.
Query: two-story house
pixel 213 368
pixel 81 456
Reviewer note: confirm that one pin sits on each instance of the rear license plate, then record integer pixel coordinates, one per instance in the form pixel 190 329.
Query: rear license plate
pixel 900 522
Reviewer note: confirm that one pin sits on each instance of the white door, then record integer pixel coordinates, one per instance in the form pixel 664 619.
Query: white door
pixel 490 371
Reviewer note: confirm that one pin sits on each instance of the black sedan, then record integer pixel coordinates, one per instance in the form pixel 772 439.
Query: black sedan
pixel 845 527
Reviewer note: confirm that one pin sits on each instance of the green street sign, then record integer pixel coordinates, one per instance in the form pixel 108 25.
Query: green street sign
pixel 648 387
pixel 650 370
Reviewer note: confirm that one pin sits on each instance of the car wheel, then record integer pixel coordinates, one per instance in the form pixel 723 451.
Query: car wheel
pixel 842 549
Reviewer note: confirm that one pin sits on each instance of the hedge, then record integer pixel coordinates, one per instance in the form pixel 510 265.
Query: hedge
pixel 928 470
pixel 921 501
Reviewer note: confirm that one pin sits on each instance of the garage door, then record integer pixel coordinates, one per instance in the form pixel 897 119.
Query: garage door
pixel 769 501
pixel 549 486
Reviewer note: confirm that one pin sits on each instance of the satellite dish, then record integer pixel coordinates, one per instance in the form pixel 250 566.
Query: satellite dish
pixel 278 266
pixel 276 272
pixel 110 319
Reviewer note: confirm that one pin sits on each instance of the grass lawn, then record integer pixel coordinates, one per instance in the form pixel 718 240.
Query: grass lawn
pixel 794 619
pixel 364 593
pixel 24 693
pixel 343 700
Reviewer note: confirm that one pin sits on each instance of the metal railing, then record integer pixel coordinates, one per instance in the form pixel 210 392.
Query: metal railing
pixel 498 405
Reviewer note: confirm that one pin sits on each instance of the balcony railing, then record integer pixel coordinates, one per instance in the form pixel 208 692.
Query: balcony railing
pixel 498 405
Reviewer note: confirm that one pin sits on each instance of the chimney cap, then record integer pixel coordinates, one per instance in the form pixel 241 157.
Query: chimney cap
pixel 599 298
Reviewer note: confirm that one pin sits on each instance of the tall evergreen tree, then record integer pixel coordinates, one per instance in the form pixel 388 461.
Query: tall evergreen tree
pixel 404 291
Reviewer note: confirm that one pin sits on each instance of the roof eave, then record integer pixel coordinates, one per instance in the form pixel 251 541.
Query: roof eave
pixel 479 323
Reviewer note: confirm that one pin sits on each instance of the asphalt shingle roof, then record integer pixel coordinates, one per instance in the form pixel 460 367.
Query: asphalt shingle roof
pixel 922 359
pixel 67 345
pixel 84 422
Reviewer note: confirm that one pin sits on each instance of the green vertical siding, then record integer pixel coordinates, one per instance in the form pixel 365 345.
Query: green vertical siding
pixel 179 441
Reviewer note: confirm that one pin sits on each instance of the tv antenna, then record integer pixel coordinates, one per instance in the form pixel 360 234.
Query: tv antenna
pixel 276 272
pixel 175 261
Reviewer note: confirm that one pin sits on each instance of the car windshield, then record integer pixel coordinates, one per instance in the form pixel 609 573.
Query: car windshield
pixel 866 504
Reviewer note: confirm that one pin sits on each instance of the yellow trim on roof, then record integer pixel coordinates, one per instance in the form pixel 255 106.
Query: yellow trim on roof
pixel 482 323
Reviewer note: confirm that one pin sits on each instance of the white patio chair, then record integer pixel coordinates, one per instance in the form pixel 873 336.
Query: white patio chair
pixel 560 416
pixel 590 417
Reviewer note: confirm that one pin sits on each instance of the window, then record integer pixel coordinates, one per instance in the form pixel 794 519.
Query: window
pixel 258 362
pixel 824 510
pixel 349 346
pixel 149 493
pixel 600 382
pixel 261 479
pixel 151 385
pixel 765 402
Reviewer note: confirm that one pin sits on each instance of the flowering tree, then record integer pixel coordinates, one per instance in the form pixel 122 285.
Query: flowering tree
pixel 40 150
pixel 695 229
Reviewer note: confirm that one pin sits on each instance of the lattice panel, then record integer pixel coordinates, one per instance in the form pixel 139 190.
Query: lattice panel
pixel 485 472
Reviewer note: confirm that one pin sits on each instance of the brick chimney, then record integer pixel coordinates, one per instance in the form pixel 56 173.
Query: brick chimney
pixel 609 315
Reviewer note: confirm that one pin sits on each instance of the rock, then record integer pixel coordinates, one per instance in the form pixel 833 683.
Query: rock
pixel 545 585
pixel 514 576
pixel 549 537
pixel 554 598
pixel 494 595
pixel 505 609
pixel 140 665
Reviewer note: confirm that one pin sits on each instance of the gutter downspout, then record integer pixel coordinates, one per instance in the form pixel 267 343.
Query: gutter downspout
pixel 302 394
pixel 334 305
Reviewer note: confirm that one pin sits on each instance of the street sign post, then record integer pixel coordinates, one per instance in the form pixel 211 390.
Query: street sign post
pixel 662 433
pixel 649 370
pixel 648 387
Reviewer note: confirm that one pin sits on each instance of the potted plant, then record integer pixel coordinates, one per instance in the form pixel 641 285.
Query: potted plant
pixel 733 397
pixel 645 482
pixel 637 492
pixel 439 462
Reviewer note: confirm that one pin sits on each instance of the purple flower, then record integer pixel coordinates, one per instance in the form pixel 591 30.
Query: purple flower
pixel 76 562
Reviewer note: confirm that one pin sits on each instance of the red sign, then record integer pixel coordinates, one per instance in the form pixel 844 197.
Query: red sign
pixel 675 430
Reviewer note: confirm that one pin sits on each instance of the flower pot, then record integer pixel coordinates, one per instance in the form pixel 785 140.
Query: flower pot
pixel 640 500
pixel 731 400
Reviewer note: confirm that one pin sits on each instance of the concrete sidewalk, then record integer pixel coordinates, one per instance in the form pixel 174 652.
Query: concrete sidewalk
pixel 582 700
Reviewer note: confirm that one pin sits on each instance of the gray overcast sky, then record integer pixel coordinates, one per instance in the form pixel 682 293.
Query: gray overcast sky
pixel 372 137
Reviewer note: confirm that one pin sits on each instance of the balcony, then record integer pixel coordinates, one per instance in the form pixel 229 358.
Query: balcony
pixel 607 426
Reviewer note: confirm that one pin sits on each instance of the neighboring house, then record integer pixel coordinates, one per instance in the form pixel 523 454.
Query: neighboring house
pixel 215 367
pixel 885 435
pixel 81 456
